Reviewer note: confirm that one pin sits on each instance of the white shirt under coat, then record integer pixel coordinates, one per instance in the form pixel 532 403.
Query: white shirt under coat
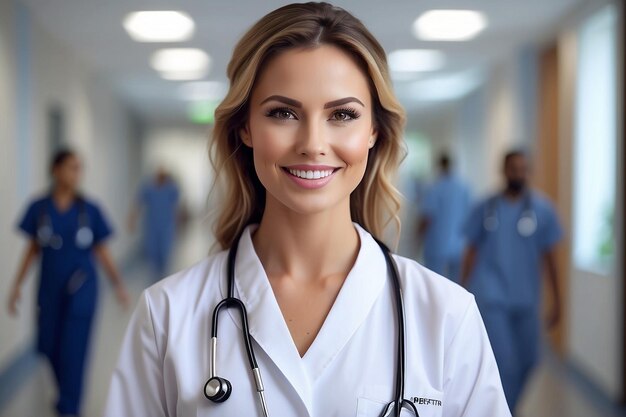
pixel 349 369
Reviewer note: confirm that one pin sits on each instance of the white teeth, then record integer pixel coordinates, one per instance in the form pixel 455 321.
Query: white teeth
pixel 310 175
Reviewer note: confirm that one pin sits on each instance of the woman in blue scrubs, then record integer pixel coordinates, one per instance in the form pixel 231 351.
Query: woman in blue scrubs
pixel 67 231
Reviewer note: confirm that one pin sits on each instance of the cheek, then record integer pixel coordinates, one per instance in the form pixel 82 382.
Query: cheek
pixel 353 147
pixel 271 143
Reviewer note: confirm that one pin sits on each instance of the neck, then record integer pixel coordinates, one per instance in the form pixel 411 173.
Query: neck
pixel 63 197
pixel 306 246
pixel 61 192
pixel 514 194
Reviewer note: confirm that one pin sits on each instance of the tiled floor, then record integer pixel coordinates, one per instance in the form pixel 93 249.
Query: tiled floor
pixel 551 394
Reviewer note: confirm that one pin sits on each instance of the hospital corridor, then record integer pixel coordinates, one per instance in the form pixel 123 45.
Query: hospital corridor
pixel 224 139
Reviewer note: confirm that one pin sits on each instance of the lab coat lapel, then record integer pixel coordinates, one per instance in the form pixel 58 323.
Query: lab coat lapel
pixel 266 323
pixel 361 289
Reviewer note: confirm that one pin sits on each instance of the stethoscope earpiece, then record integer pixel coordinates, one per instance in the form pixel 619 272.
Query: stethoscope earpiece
pixel 217 389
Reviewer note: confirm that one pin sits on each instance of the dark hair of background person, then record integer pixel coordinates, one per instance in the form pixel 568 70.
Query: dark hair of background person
pixel 60 157
pixel 514 154
pixel 445 162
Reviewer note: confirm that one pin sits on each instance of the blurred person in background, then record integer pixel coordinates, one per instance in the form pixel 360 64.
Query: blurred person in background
pixel 511 237
pixel 443 211
pixel 157 202
pixel 66 230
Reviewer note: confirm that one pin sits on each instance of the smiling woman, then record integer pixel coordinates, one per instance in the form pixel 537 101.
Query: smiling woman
pixel 307 142
pixel 344 47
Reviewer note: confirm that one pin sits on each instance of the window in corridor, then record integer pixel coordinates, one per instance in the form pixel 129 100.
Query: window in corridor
pixel 595 143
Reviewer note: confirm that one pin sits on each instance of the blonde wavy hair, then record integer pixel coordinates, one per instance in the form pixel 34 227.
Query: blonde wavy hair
pixel 375 202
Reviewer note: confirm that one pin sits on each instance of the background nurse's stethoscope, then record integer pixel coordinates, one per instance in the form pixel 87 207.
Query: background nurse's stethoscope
pixel 46 236
pixel 218 389
pixel 526 224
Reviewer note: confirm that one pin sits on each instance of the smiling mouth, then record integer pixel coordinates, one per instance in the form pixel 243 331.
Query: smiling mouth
pixel 310 174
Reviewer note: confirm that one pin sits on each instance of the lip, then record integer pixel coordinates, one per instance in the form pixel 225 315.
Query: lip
pixel 305 167
pixel 310 183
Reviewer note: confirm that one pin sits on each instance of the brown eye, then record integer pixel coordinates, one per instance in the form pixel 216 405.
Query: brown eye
pixel 344 115
pixel 281 114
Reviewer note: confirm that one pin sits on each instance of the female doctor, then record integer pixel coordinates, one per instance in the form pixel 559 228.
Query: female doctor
pixel 306 141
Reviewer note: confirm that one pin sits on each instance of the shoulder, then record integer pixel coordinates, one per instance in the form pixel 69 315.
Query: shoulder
pixel 540 200
pixel 200 281
pixel 92 204
pixel 89 202
pixel 38 201
pixel 482 203
pixel 431 293
pixel 543 205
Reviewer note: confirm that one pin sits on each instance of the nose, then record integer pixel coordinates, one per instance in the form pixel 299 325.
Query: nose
pixel 311 139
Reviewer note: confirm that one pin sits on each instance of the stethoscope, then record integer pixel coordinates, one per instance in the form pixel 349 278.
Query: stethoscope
pixel 218 389
pixel 46 237
pixel 526 224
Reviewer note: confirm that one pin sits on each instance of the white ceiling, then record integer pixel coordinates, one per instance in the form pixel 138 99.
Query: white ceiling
pixel 93 29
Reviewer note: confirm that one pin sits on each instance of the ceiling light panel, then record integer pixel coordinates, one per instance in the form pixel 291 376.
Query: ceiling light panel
pixel 159 26
pixel 404 61
pixel 203 90
pixel 181 63
pixel 449 25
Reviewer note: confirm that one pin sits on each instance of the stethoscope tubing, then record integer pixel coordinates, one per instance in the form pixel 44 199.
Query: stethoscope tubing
pixel 83 231
pixel 394 406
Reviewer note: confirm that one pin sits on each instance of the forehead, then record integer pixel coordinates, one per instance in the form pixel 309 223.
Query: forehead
pixel 516 161
pixel 313 76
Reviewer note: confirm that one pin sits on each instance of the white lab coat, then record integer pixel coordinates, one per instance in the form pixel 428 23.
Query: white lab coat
pixel 349 369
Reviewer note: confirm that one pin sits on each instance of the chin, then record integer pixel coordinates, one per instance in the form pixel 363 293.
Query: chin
pixel 311 204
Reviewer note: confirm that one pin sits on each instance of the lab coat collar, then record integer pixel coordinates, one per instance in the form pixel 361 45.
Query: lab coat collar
pixel 267 326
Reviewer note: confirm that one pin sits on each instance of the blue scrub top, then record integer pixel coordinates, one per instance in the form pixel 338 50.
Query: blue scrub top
pixel 507 271
pixel 59 265
pixel 446 204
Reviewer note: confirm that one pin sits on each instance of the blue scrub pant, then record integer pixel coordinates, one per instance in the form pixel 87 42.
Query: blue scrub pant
pixel 515 339
pixel 157 249
pixel 64 331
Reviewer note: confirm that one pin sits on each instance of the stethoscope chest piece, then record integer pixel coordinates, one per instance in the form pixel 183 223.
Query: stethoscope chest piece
pixel 527 225
pixel 47 237
pixel 217 389
pixel 84 237
pixel 491 223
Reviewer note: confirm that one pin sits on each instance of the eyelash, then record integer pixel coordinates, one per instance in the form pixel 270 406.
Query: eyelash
pixel 352 113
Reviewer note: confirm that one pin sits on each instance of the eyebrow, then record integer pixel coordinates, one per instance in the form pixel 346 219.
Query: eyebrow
pixel 296 103
pixel 341 101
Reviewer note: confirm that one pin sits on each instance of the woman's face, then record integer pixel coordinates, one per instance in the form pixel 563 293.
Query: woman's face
pixel 68 173
pixel 310 127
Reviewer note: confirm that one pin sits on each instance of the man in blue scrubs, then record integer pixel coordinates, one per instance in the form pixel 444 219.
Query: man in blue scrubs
pixel 443 211
pixel 158 199
pixel 511 238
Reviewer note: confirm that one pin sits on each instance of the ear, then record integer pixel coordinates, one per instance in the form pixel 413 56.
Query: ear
pixel 244 134
pixel 373 138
